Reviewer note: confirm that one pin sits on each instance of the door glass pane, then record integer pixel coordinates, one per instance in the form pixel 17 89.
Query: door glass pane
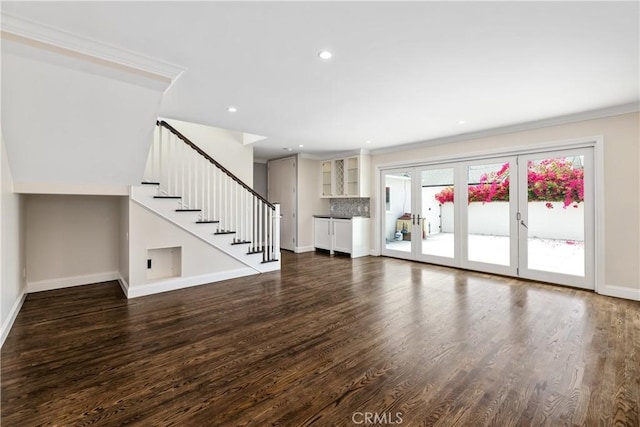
pixel 555 207
pixel 397 211
pixel 488 238
pixel 437 212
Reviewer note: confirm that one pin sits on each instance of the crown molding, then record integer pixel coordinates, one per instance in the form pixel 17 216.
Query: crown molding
pixel 632 107
pixel 43 36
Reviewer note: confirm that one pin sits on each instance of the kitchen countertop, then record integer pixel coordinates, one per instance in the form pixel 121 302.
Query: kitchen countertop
pixel 336 216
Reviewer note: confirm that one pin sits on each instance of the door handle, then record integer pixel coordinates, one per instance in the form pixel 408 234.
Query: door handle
pixel 523 224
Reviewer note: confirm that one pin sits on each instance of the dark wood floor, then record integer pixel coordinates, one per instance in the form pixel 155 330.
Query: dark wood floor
pixel 324 342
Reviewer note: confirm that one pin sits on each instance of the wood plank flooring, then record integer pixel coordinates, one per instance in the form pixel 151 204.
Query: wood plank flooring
pixel 328 341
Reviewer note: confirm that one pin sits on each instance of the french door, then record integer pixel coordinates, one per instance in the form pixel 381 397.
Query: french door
pixel 528 216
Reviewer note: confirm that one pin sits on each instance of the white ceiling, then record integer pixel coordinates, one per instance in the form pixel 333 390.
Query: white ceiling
pixel 401 72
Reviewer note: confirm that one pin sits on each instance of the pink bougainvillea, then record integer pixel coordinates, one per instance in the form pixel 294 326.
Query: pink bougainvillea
pixel 551 180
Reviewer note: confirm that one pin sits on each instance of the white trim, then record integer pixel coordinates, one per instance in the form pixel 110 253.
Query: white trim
pixel 68 188
pixel 67 282
pixel 620 292
pixel 134 198
pixel 599 218
pixel 186 282
pixel 516 150
pixel 124 285
pixel 617 110
pixel 51 36
pixel 596 141
pixel 13 313
pixel 301 249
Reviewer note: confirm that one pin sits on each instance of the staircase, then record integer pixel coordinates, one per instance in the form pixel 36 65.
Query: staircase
pixel 185 186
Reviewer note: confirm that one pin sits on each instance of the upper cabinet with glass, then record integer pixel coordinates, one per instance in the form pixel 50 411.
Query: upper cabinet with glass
pixel 345 177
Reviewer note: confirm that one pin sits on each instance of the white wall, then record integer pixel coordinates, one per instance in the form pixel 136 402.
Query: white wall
pixel 66 122
pixel 260 179
pixel 224 146
pixel 12 250
pixel 71 240
pixel 309 201
pixel 150 231
pixel 621 175
pixel 123 238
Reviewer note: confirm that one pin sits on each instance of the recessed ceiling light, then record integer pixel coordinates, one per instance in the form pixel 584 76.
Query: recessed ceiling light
pixel 325 54
pixel 461 122
pixel 368 142
pixel 232 109
pixel 301 145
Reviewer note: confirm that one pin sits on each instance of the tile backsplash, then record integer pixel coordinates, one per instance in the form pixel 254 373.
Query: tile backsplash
pixel 356 206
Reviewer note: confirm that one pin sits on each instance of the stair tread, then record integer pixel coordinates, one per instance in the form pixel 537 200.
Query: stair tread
pixel 255 252
pixel 269 260
pixel 167 197
pixel 224 232
pixel 242 242
pixel 188 210
pixel 150 183
pixel 207 222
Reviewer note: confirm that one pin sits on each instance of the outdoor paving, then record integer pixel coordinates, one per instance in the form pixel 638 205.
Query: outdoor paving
pixel 557 256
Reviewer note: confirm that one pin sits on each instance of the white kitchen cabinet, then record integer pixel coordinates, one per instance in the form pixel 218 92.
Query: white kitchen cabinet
pixel 322 235
pixel 342 235
pixel 349 236
pixel 345 177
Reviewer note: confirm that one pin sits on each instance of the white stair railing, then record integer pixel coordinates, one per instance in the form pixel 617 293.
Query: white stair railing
pixel 183 169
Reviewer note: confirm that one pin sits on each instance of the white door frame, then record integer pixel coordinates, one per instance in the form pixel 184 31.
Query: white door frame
pixel 595 142
pixel 586 281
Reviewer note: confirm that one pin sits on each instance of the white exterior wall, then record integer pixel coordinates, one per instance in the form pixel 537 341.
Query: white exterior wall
pixel 493 219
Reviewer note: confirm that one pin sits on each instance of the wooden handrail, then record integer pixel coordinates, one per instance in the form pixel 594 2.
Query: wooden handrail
pixel 208 157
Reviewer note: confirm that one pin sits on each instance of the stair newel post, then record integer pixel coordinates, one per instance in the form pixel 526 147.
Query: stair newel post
pixel 239 214
pixel 196 187
pixel 174 165
pixel 159 154
pixel 254 230
pixel 181 163
pixel 204 183
pixel 169 164
pixel 260 235
pixel 276 231
pixel 267 237
pixel 208 191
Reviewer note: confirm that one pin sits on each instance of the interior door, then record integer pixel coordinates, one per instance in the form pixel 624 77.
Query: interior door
pixel 282 189
pixel 556 217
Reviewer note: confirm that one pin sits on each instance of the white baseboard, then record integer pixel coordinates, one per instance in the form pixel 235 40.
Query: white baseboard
pixel 185 282
pixel 67 282
pixel 13 313
pixel 301 249
pixel 620 292
pixel 124 285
